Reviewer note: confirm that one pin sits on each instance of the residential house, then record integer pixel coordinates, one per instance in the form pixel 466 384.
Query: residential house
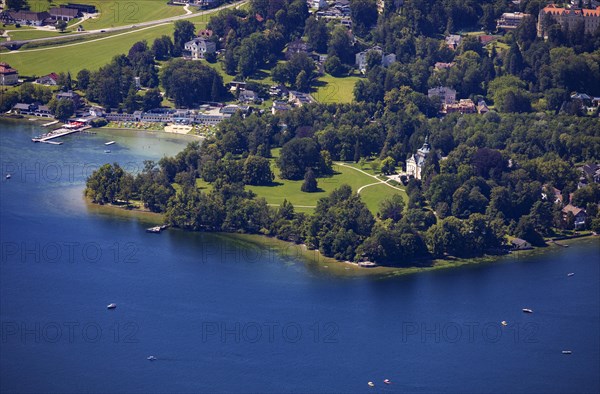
pixel 199 47
pixel 278 91
pixel 97 112
pixel 63 13
pixel 447 95
pixel 49 80
pixel 415 163
pixel 30 18
pixel 297 46
pixel 280 106
pixel 361 58
pixel 453 41
pixel 510 20
pixel 520 244
pixel 247 96
pixel 33 109
pixel 236 85
pixel 8 75
pixel 70 95
pixel 569 18
pixel 299 99
pixel 464 106
pixel 482 107
pixel 591 171
pixel 578 213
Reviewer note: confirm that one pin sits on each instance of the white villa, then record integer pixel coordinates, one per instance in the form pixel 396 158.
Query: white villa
pixel 199 47
pixel 414 164
pixel 361 58
pixel 447 95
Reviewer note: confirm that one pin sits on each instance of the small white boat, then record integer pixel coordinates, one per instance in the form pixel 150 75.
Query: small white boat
pixel 107 151
pixel 111 306
pixel 371 384
pixel 154 230
pixel 109 143
pixel 8 176
pixel 504 323
pixel 151 358
pixel 387 381
pixel 571 274
pixel 527 310
pixel 567 352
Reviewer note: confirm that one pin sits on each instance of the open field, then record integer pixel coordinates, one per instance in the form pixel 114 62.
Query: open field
pixel 87 54
pixel 335 90
pixel 290 190
pixel 31 34
pixel 117 12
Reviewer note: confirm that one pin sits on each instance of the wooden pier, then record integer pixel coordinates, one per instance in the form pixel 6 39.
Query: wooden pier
pixel 63 131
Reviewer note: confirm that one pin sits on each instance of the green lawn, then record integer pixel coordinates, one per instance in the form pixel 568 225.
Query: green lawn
pixel 290 190
pixel 30 34
pixel 373 195
pixel 335 90
pixel 118 12
pixel 88 54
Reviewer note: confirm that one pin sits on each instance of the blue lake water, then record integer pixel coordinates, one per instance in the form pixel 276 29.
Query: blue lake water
pixel 222 316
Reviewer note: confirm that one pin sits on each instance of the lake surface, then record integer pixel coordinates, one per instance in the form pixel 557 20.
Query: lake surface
pixel 223 316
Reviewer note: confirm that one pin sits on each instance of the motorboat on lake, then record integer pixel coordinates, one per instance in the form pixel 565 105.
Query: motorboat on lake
pixel 571 274
pixel 111 306
pixel 527 310
pixel 151 358
pixel 109 143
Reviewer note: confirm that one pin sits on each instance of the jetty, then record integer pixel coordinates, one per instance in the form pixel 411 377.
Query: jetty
pixel 63 131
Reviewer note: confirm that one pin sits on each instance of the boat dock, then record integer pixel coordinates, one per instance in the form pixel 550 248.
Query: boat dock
pixel 63 131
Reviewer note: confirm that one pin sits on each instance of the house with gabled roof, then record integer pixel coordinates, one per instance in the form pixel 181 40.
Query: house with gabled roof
pixel 578 213
pixel 8 75
pixel 199 47
pixel 49 80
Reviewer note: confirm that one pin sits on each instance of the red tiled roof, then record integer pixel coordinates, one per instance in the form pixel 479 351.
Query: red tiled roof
pixel 6 69
pixel 554 10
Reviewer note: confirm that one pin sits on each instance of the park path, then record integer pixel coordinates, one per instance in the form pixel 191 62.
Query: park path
pixel 379 181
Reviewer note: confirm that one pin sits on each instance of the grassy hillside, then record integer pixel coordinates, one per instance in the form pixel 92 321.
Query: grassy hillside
pixel 88 54
pixel 118 12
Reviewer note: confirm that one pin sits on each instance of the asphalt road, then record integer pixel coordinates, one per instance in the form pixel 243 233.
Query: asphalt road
pixel 125 27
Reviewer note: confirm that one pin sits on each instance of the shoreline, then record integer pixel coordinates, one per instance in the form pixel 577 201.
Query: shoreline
pixel 314 260
pixel 33 120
